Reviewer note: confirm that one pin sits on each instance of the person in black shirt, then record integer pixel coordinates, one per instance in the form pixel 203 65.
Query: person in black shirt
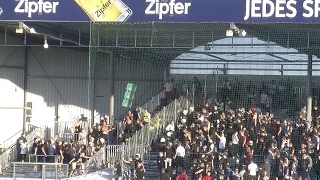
pixel 162 162
pixel 23 139
pixel 140 172
pixel 41 153
pixel 164 175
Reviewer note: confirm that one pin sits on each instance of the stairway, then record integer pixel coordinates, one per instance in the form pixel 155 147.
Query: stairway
pixel 151 166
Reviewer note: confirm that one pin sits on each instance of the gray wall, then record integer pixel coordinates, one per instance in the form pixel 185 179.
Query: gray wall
pixel 58 79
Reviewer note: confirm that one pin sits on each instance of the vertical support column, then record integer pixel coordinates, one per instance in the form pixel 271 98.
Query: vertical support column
pixel 56 121
pixel 91 68
pixel 309 88
pixel 25 88
pixel 111 85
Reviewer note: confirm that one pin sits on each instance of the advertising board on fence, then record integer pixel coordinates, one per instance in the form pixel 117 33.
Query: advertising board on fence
pixel 264 11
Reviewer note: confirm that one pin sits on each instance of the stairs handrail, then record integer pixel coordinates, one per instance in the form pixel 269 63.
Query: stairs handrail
pixel 12 139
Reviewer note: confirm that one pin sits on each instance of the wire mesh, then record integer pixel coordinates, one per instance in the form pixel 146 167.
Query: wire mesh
pixel 257 85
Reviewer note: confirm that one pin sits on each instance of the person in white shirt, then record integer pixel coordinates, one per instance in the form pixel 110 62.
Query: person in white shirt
pixel 253 169
pixel 222 142
pixel 24 150
pixel 170 127
pixel 179 157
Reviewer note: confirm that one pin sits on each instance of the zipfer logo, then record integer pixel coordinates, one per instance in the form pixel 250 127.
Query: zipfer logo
pixel 36 7
pixel 164 8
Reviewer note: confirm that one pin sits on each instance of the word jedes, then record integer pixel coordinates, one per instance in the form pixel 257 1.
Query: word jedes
pixel 281 8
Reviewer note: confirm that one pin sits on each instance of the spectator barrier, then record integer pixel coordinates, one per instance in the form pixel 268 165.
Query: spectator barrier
pixel 10 154
pixel 97 161
pixel 140 142
pixel 40 170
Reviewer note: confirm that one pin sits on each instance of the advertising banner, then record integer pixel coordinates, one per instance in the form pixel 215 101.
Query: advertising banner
pixel 264 11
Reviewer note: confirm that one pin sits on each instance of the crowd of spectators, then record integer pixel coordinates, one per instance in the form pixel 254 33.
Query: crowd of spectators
pixel 134 121
pixel 235 142
pixel 75 151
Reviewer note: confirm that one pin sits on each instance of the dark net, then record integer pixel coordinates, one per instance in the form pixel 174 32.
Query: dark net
pixel 210 101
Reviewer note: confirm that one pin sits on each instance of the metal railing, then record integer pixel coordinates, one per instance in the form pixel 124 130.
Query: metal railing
pixel 36 158
pixel 10 154
pixel 11 140
pixel 154 102
pixel 63 130
pixel 96 162
pixel 140 142
pixel 40 170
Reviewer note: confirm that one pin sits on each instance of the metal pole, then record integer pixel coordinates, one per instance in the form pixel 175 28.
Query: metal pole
pixel 217 78
pixel 309 88
pixel 25 88
pixel 111 85
pixel 187 98
pixel 175 111
pixel 56 173
pixel 43 171
pixel 193 89
pixel 122 152
pixel 14 171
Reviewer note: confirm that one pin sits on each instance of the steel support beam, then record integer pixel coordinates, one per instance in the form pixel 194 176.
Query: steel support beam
pixel 111 86
pixel 25 88
pixel 309 88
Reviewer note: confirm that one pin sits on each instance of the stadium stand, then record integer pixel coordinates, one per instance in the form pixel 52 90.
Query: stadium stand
pixel 230 141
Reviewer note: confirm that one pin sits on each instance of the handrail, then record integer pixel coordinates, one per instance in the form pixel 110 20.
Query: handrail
pixel 30 163
pixel 143 94
pixel 4 142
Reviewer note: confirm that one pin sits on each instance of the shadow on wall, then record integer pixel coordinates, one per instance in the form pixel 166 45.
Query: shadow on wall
pixel 58 84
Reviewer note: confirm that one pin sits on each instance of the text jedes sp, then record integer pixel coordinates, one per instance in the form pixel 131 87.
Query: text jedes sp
pixel 281 8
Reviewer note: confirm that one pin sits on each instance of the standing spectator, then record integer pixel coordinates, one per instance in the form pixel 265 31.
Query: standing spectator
pixel 168 89
pixel 24 150
pixel 164 175
pixel 266 168
pixel 179 157
pixel 182 176
pixel 140 172
pixel 18 148
pixel 146 117
pixel 253 169
pixel 77 130
pixel 222 142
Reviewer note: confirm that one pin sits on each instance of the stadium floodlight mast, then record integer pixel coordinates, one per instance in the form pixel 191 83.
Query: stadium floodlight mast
pixel 45 45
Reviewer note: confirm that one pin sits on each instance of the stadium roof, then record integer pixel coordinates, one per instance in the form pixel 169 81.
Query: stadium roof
pixel 243 55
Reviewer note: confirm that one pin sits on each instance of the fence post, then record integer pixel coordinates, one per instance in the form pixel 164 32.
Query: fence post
pixel 14 171
pixel 188 98
pixel 104 156
pixel 43 171
pixel 152 105
pixel 175 110
pixel 122 164
pixel 56 173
